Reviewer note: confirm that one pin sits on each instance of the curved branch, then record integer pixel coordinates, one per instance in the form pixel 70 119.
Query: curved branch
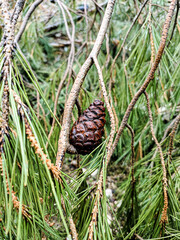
pixel 122 45
pixel 26 18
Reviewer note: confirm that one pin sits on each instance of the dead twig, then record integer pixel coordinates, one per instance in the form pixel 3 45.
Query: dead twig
pixel 172 134
pixel 138 237
pixel 109 108
pixel 132 163
pixel 151 36
pixel 122 45
pixel 175 23
pixel 109 145
pixel 140 20
pixel 164 217
pixel 26 18
pixel 166 133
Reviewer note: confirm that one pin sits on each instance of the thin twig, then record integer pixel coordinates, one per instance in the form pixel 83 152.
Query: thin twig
pixel 138 237
pixel 175 22
pixel 122 45
pixel 151 36
pixel 71 222
pixel 109 108
pixel 132 163
pixel 107 50
pixel 87 32
pixel 78 107
pixel 26 18
pixel 166 133
pixel 172 134
pixel 164 217
pixel 72 40
pixel 140 20
pixel 159 6
pixel 109 145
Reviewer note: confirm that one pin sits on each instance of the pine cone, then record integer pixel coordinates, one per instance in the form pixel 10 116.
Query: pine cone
pixel 87 131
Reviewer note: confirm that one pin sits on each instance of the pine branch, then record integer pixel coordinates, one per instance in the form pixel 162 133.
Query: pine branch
pixel 64 134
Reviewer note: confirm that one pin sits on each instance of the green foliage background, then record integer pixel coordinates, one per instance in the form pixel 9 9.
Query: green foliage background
pixel 40 67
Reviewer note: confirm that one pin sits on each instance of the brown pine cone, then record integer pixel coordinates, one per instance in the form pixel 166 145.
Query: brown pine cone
pixel 87 131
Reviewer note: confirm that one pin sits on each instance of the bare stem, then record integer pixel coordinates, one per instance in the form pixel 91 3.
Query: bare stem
pixel 151 36
pixel 122 45
pixel 26 18
pixel 166 133
pixel 164 217
pixel 175 23
pixel 172 134
pixel 98 193
pixel 132 163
